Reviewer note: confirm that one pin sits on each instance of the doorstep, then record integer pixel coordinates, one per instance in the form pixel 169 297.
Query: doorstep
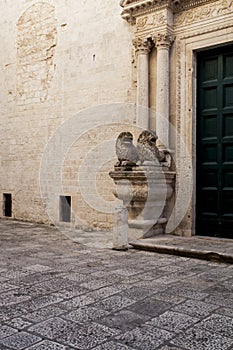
pixel 208 248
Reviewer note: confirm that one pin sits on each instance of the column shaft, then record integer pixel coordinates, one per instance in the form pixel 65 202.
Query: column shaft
pixel 163 43
pixel 142 108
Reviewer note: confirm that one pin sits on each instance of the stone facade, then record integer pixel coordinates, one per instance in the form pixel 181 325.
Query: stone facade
pixel 90 64
pixel 57 59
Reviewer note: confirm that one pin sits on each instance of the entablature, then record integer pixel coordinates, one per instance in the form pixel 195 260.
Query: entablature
pixel 135 8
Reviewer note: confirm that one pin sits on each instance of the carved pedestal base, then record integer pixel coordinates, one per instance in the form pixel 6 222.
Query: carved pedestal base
pixel 145 192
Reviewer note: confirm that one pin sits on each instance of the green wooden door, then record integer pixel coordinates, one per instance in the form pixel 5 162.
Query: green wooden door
pixel 214 204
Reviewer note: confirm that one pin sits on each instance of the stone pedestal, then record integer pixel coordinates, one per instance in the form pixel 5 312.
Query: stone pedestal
pixel 145 192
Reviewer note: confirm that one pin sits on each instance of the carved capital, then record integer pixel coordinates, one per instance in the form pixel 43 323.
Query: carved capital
pixel 142 46
pixel 163 40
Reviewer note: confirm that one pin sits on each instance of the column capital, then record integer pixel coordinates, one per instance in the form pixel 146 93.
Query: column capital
pixel 142 45
pixel 163 40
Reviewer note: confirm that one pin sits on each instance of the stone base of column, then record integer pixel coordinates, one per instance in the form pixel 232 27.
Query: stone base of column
pixel 120 232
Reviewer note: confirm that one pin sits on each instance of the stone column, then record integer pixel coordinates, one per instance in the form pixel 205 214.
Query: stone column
pixel 162 43
pixel 142 47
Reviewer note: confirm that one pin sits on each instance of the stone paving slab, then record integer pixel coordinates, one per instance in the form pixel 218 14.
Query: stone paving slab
pixel 56 294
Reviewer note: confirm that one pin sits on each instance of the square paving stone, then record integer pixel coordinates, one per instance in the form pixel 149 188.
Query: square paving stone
pixel 219 324
pixel 95 284
pixel 167 347
pixel 152 285
pixel 172 278
pixel 126 272
pixel 6 286
pixel 38 268
pixel 195 308
pixel 199 283
pixel 70 292
pixel 79 301
pixel 19 323
pixel 44 314
pixel 124 320
pixel 188 293
pixel 121 286
pixel 225 311
pixel 102 293
pixel 150 307
pixel 40 302
pixel 6 331
pixel 20 340
pixel 54 328
pixel 47 345
pixel 113 346
pixel 151 275
pixel 49 286
pixel 221 299
pixel 80 340
pixel 173 321
pixel 145 337
pixel 8 312
pixel 137 293
pixel 171 268
pixel 174 299
pixel 99 330
pixel 197 338
pixel 116 280
pixel 114 303
pixel 77 277
pixel 12 297
pixel 85 314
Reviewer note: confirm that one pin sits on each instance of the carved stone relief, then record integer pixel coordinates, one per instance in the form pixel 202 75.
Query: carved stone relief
pixel 204 12
pixel 141 22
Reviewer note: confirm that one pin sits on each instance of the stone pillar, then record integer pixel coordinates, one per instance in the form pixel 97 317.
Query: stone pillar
pixel 142 47
pixel 162 43
pixel 120 232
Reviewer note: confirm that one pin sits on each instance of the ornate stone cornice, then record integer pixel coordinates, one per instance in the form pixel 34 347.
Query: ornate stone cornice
pixel 187 4
pixel 134 8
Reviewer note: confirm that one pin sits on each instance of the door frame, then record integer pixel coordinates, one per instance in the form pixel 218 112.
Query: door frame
pixel 186 109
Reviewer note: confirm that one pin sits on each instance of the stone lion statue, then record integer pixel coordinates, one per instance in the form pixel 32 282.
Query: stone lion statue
pixel 126 152
pixel 148 151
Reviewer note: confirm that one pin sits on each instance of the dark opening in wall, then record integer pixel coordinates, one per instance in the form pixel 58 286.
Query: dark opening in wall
pixel 7 204
pixel 65 208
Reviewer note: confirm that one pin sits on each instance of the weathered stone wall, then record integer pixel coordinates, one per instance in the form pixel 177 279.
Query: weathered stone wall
pixel 57 58
pixel 69 71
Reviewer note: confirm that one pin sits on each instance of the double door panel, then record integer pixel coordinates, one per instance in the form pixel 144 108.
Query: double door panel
pixel 214 207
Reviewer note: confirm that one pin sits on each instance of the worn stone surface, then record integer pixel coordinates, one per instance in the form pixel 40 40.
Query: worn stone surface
pixel 53 67
pixel 123 301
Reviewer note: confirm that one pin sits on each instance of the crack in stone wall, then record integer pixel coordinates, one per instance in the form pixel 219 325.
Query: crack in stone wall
pixel 36 44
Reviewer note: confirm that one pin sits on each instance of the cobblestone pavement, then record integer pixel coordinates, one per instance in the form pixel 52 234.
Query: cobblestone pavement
pixel 60 295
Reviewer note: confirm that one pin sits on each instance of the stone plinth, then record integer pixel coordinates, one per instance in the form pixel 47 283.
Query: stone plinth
pixel 145 191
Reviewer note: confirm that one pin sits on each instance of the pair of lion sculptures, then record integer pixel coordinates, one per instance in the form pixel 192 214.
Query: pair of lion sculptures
pixel 146 150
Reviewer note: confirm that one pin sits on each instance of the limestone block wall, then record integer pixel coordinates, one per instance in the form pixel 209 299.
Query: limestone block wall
pixel 58 58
